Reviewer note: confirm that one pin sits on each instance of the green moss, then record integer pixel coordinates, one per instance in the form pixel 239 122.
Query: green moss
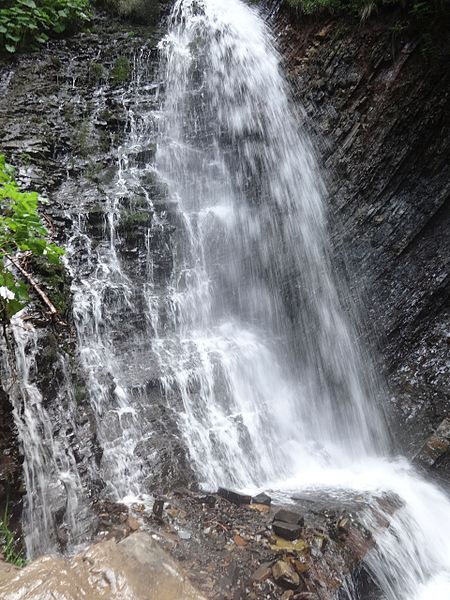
pixel 80 392
pixel 97 72
pixel 365 8
pixel 121 71
pixel 131 220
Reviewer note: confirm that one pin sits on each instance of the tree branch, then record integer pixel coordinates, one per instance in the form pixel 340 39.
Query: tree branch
pixel 43 296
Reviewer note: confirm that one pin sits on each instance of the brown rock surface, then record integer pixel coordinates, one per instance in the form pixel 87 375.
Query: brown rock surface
pixel 135 569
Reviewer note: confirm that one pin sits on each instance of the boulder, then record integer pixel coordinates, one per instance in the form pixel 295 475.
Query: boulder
pixel 262 499
pixel 233 496
pixel 289 516
pixel 285 576
pixel 288 531
pixel 135 568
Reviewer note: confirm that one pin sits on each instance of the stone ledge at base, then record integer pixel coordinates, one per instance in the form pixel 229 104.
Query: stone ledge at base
pixel 134 569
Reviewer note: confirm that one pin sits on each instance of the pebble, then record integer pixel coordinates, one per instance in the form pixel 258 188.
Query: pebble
pixel 263 572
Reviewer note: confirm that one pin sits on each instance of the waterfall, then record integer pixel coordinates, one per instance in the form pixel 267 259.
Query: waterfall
pixel 254 340
pixel 208 316
pixel 275 390
pixel 55 513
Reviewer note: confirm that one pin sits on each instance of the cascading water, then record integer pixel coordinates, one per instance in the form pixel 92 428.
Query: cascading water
pixel 257 345
pixel 55 512
pixel 274 389
pixel 235 320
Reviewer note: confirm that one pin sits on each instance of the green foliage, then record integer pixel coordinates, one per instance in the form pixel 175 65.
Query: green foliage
pixel 121 71
pixel 21 230
pixel 7 542
pixel 32 21
pixel 364 8
pixel 97 72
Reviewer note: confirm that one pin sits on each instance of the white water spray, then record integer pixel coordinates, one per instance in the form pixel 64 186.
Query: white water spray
pixel 55 512
pixel 264 359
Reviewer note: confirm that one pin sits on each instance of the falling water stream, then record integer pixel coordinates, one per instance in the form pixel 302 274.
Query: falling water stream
pixel 274 388
pixel 237 320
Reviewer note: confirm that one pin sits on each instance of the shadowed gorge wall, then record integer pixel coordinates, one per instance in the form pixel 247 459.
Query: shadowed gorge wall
pixel 378 106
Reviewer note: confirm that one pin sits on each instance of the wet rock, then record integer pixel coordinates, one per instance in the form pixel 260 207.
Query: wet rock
pixel 300 564
pixel 287 531
pixel 233 496
pixel 383 133
pixel 133 523
pixel 262 499
pixel 297 546
pixel 135 568
pixel 263 572
pixel 289 516
pixel 436 447
pixel 284 575
pixel 343 525
pixel 319 542
pixel 158 508
pixel 262 508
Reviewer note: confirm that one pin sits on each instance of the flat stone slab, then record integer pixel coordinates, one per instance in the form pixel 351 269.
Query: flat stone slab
pixel 289 516
pixel 288 531
pixel 233 496
pixel 263 499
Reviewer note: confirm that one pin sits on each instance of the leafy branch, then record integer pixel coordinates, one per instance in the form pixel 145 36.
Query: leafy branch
pixel 32 21
pixel 21 231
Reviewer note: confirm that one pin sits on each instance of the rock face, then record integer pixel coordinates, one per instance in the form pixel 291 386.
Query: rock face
pixel 435 453
pixel 378 109
pixel 135 569
pixel 56 130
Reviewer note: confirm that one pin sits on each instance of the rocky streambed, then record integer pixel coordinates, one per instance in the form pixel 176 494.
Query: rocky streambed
pixel 225 546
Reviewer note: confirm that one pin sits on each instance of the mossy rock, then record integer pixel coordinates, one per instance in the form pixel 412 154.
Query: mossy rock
pixel 97 72
pixel 131 220
pixel 144 12
pixel 121 71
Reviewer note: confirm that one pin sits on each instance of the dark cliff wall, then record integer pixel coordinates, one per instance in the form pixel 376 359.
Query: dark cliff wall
pixel 377 104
